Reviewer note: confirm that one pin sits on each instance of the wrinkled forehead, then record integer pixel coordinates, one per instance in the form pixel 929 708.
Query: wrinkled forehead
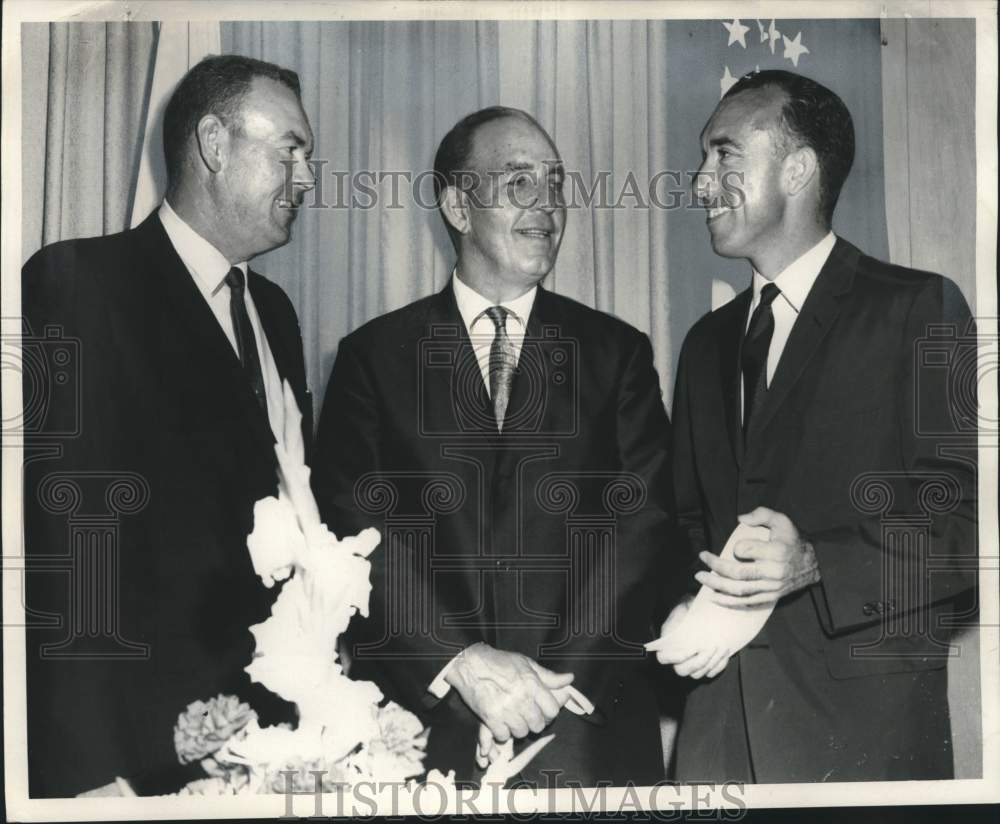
pixel 511 140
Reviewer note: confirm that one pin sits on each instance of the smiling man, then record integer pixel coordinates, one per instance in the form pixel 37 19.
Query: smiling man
pixel 511 444
pixel 183 351
pixel 802 406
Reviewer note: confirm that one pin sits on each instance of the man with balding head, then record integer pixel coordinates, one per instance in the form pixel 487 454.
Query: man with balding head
pixel 183 351
pixel 802 407
pixel 512 446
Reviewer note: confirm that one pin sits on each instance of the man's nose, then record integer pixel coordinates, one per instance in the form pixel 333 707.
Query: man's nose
pixel 303 176
pixel 702 184
pixel 547 198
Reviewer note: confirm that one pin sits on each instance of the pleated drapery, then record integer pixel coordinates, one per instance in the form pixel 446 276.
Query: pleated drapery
pixel 83 113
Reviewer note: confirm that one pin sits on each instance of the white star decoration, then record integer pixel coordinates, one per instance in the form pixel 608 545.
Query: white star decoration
pixel 794 49
pixel 773 35
pixel 763 32
pixel 737 33
pixel 727 82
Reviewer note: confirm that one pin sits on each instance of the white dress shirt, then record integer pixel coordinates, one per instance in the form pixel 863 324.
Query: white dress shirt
pixel 208 268
pixel 472 307
pixel 795 282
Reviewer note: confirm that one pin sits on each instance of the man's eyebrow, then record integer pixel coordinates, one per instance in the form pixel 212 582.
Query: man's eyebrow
pixel 291 134
pixel 551 166
pixel 722 140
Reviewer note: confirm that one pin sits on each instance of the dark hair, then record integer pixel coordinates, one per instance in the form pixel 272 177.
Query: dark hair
pixel 455 152
pixel 812 116
pixel 216 85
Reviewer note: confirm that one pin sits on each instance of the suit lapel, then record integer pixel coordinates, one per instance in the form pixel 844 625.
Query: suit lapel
pixel 730 343
pixel 274 331
pixel 819 312
pixel 457 395
pixel 283 341
pixel 530 375
pixel 193 334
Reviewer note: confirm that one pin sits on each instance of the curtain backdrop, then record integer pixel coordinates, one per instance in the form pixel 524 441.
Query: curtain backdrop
pixel 622 100
pixel 929 82
pixel 381 96
pixel 83 114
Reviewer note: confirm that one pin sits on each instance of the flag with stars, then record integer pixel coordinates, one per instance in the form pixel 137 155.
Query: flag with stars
pixel 704 59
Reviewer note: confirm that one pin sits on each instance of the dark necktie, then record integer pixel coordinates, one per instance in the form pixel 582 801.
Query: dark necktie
pixel 503 362
pixel 753 359
pixel 246 343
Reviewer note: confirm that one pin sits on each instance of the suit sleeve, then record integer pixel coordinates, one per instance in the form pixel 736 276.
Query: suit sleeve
pixel 348 448
pixel 937 482
pixel 346 442
pixel 644 443
pixel 83 714
pixel 690 512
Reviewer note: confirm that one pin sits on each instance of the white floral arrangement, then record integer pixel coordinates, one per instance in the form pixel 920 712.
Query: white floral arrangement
pixel 345 729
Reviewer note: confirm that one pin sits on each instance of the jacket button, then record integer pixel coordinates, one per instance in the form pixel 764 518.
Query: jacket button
pixel 868 609
pixel 621 685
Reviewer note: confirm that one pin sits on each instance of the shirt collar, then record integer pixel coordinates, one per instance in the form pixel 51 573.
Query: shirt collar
pixel 471 304
pixel 796 280
pixel 207 265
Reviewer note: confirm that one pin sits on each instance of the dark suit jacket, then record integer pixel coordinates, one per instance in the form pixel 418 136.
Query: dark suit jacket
pixel 547 540
pixel 164 450
pixel 860 442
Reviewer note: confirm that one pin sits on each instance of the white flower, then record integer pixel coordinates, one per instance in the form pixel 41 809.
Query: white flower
pixel 276 542
pixel 435 776
pixel 270 745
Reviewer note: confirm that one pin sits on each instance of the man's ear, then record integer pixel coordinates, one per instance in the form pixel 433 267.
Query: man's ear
pixel 213 142
pixel 455 208
pixel 801 168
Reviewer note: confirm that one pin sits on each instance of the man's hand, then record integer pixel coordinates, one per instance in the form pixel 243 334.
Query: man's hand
pixel 762 571
pixel 700 664
pixel 511 694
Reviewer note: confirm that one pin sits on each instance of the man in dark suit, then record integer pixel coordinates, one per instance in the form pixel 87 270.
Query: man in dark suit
pixel 804 406
pixel 511 444
pixel 166 440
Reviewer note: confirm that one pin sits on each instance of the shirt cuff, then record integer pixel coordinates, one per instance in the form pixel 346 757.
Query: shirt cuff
pixel 439 688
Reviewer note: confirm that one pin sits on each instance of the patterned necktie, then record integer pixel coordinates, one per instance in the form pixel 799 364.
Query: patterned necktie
pixel 753 359
pixel 246 343
pixel 503 362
